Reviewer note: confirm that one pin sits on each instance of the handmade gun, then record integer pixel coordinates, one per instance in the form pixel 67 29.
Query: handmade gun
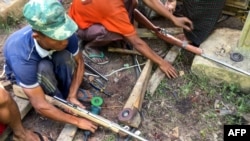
pixel 78 111
pixel 162 34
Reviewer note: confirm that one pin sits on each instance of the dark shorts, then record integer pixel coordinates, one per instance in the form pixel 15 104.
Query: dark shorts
pixel 204 14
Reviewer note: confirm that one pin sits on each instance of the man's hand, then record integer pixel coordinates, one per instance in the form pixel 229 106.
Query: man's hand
pixel 168 69
pixel 74 100
pixel 183 22
pixel 86 125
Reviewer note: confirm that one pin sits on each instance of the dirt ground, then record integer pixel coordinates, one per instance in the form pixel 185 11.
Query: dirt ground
pixel 163 114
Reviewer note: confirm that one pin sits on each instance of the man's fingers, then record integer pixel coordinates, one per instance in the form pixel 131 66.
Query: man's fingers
pixel 93 128
pixel 187 28
pixel 172 73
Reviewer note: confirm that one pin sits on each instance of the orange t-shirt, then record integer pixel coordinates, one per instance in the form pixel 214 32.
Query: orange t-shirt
pixel 110 13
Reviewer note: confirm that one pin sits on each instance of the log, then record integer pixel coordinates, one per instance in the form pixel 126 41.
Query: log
pixel 137 93
pixel 135 99
pixel 124 51
pixel 68 133
pixel 158 75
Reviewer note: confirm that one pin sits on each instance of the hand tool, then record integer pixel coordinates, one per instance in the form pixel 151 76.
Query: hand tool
pixel 100 87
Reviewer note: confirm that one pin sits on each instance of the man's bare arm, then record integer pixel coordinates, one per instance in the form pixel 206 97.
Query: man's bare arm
pixel 38 101
pixel 158 7
pixel 144 49
pixel 37 98
pixel 77 76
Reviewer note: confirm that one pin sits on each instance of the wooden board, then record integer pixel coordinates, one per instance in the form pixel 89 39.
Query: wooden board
pixel 68 133
pixel 136 94
pixel 158 75
pixel 145 33
pixel 23 104
pixel 136 97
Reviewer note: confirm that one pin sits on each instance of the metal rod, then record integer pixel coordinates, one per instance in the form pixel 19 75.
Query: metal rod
pixel 225 64
pixel 95 71
pixel 110 124
pixel 137 63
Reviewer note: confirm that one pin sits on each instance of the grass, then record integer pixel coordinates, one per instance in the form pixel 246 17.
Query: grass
pixel 110 138
pixel 210 121
pixel 10 22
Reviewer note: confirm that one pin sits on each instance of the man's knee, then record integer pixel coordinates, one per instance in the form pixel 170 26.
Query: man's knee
pixel 44 66
pixel 62 57
pixel 92 32
pixel 4 97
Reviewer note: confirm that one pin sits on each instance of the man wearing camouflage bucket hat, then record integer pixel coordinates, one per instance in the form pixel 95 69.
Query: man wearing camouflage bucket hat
pixel 44 58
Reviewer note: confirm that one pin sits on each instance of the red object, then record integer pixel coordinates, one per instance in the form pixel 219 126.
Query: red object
pixel 2 128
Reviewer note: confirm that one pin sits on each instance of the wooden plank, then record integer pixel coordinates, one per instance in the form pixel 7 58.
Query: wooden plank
pixel 124 51
pixel 136 93
pixel 136 97
pixel 68 133
pixel 242 4
pixel 6 85
pixel 158 75
pixel 138 103
pixel 23 104
pixel 145 33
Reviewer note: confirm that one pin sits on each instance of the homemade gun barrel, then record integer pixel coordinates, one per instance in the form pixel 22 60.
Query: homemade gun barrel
pixel 162 34
pixel 93 117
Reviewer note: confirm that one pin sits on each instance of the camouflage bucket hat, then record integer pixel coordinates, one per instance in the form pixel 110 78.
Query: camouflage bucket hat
pixel 50 18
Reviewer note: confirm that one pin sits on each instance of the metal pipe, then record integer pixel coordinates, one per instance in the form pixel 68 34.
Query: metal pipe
pixel 109 124
pixel 95 71
pixel 225 64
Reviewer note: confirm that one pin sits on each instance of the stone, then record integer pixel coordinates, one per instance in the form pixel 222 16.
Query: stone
pixel 11 10
pixel 219 45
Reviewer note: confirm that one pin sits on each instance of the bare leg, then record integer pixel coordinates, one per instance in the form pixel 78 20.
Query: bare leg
pixel 97 36
pixel 10 115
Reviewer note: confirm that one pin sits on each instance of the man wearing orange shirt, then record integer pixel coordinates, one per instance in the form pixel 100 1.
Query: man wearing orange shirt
pixel 109 20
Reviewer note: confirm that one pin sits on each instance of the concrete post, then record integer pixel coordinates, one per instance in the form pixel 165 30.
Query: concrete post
pixel 244 40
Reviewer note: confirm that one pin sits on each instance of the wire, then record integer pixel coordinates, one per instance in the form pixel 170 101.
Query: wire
pixel 123 68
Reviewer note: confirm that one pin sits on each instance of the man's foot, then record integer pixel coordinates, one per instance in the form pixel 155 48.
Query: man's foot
pixel 95 55
pixel 84 96
pixel 31 136
pixel 43 138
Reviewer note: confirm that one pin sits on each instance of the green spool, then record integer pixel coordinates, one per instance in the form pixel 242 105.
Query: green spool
pixel 96 101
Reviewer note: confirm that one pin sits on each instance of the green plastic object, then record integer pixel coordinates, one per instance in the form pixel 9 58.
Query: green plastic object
pixel 96 101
